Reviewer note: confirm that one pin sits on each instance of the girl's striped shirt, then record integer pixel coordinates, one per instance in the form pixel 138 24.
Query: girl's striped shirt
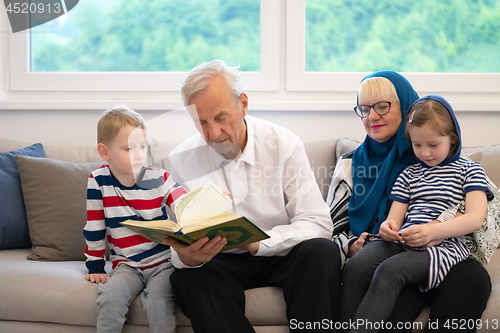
pixel 429 191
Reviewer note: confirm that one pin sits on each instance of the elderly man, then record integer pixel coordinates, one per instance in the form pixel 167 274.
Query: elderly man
pixel 271 182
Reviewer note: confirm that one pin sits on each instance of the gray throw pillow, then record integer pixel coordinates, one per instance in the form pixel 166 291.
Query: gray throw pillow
pixel 55 194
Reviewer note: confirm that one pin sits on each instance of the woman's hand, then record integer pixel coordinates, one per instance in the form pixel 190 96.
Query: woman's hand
pixel 357 245
pixel 389 231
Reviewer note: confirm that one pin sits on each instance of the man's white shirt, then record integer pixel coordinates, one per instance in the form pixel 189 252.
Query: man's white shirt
pixel 271 184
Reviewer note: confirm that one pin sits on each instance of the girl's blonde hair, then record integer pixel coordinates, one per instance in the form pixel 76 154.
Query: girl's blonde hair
pixel 114 119
pixel 377 86
pixel 436 115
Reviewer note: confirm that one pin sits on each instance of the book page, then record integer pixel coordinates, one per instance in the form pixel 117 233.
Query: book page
pixel 155 230
pixel 183 202
pixel 152 224
pixel 208 202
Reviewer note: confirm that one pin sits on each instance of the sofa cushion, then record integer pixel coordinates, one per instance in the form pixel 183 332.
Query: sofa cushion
pixel 48 292
pixel 73 154
pixel 489 157
pixel 84 154
pixel 321 155
pixel 160 149
pixel 57 292
pixel 8 144
pixel 345 145
pixel 55 194
pixel 13 223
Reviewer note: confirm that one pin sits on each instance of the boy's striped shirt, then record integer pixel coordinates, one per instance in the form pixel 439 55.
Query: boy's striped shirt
pixel 109 203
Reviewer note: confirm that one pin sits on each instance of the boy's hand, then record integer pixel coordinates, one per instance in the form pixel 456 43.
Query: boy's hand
pixel 225 191
pixel 389 231
pixel 97 278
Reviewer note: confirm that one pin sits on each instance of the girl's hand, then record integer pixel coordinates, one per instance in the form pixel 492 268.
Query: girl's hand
pixel 435 242
pixel 419 235
pixel 389 231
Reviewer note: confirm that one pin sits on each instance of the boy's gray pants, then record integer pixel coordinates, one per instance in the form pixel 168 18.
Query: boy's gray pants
pixel 123 286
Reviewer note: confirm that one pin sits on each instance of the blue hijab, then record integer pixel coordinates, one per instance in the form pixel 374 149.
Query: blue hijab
pixel 447 105
pixel 375 165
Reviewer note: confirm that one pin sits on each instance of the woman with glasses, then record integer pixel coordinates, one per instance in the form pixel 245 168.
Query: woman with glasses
pixel 359 203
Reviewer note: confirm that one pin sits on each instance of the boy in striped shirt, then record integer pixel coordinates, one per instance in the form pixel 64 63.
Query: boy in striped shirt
pixel 124 188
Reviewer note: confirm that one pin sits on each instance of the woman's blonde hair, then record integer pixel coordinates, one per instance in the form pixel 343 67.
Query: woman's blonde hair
pixel 114 119
pixel 379 86
pixel 436 115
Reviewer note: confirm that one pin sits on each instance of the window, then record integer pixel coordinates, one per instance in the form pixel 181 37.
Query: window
pixel 440 46
pixel 148 36
pixel 406 36
pixel 121 45
pixel 294 54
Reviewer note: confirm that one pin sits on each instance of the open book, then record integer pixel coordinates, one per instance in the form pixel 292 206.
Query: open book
pixel 199 213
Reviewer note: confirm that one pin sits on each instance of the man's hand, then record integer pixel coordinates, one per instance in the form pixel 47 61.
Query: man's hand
pixel 201 251
pixel 97 278
pixel 252 247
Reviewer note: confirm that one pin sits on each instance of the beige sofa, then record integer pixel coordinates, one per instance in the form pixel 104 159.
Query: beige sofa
pixel 48 292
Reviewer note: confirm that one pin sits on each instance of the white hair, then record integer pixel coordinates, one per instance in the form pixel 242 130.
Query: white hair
pixel 199 77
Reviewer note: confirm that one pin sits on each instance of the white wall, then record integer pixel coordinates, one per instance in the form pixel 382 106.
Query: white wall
pixel 79 127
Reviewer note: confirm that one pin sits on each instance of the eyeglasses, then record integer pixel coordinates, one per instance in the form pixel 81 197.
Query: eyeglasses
pixel 380 107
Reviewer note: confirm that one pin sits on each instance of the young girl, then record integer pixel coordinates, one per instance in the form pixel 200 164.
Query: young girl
pixel 417 249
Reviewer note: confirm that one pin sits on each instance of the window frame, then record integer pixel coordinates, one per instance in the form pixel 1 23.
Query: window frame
pixel 22 79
